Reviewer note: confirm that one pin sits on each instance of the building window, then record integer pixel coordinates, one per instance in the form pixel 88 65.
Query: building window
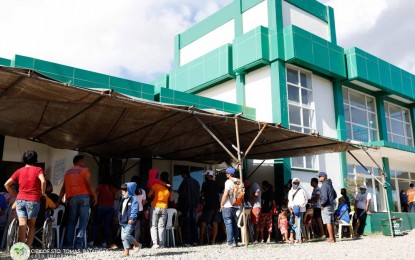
pixel 301 111
pixel 398 124
pixel 360 116
pixel 400 181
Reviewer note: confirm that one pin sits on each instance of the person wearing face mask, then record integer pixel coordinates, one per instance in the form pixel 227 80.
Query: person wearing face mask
pixel 362 206
pixel 297 200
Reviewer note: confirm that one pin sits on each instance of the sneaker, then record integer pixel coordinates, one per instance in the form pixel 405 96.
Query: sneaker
pixel 256 242
pixel 155 246
pixel 104 245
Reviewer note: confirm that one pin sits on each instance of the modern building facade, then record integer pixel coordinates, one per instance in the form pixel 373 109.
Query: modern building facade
pixel 279 61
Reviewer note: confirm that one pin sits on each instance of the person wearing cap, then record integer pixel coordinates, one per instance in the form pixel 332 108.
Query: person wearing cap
pixel 229 211
pixel 315 204
pixel 211 206
pixel 362 206
pixel 327 199
pixel 297 200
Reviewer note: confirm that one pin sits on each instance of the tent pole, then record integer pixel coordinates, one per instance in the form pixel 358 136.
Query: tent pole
pixel 217 139
pixel 381 183
pixel 241 177
pixel 254 141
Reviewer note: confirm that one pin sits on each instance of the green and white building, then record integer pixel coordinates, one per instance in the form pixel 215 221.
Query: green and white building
pixel 279 61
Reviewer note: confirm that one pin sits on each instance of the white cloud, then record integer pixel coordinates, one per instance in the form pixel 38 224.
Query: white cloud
pixel 129 38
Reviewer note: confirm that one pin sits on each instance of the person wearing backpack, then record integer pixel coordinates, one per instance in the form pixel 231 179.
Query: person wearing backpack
pixel 229 206
pixel 327 200
pixel 297 200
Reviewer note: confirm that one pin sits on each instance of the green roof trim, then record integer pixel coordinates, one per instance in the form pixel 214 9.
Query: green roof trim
pixel 312 7
pixel 310 51
pixel 251 49
pixel 5 62
pixel 186 99
pixel 84 78
pixel 371 70
pixel 248 4
pixel 209 69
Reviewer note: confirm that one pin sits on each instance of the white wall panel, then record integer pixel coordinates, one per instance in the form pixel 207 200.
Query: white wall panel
pixel 255 16
pixel 294 15
pixel 324 106
pixel 214 39
pixel 225 92
pixel 258 93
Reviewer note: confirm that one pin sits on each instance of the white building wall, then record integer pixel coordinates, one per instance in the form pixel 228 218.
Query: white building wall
pixel 225 92
pixel 255 16
pixel 295 16
pixel 258 93
pixel 214 39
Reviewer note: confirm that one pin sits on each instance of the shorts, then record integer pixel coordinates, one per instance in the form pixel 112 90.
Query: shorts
pixel 27 209
pixel 327 214
pixel 316 212
pixel 266 221
pixel 255 215
pixel 210 215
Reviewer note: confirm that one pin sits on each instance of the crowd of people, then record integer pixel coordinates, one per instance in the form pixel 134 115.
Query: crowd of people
pixel 140 217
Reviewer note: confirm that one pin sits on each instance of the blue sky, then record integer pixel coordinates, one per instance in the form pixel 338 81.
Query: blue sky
pixel 134 38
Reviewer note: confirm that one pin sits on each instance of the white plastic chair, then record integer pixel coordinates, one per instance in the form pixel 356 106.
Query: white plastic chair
pixel 56 222
pixel 170 226
pixel 76 227
pixel 241 225
pixel 349 225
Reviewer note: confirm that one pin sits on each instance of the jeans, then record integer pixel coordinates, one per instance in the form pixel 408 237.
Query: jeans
pixel 78 209
pixel 411 207
pixel 158 224
pixel 299 226
pixel 137 229
pixel 127 236
pixel 230 220
pixel 361 214
pixel 189 226
pixel 104 215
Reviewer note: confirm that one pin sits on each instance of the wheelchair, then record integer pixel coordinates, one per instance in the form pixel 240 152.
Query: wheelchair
pixel 44 234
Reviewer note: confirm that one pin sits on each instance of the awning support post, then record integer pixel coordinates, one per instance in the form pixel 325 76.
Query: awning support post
pixel 254 141
pixel 381 183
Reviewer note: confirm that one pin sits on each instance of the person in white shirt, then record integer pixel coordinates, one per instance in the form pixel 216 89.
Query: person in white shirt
pixel 297 200
pixel 362 206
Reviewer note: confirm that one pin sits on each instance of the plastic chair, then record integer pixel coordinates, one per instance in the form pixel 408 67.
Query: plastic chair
pixel 241 224
pixel 56 222
pixel 349 225
pixel 170 226
pixel 76 227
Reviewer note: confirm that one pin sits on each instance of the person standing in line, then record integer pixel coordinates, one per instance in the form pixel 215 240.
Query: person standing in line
pixel 343 192
pixel 228 210
pixel 327 200
pixel 189 196
pixel 404 201
pixel 410 193
pixel 297 200
pixel 78 191
pixel 254 198
pixel 268 208
pixel 362 206
pixel 32 185
pixel 210 213
pixel 315 203
pixel 160 195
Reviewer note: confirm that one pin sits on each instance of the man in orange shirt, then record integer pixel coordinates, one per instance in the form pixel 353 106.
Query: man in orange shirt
pixel 411 198
pixel 78 190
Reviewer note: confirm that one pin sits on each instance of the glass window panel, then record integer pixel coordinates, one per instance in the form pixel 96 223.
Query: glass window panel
pixel 386 108
pixel 349 131
pixel 309 161
pixel 346 113
pixel 372 120
pixel 358 116
pixel 370 190
pixel 399 139
pixel 350 168
pixel 307 131
pixel 412 175
pixel 360 133
pixel 307 117
pixel 408 130
pixel 395 112
pixel 293 93
pixel 375 171
pixel 406 116
pixel 397 127
pixel 305 80
pixel 292 76
pixel 345 96
pixel 295 115
pixel 306 97
pixel 403 185
pixel 395 195
pixel 296 128
pixel 373 134
pixel 409 142
pixel 370 103
pixel 401 174
pixel 357 99
pixel 388 125
pixel 297 162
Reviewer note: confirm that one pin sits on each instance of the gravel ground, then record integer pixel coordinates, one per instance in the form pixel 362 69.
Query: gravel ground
pixel 374 246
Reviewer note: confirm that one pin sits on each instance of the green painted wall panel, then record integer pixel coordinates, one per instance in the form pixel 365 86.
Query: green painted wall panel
pixel 24 62
pixel 5 62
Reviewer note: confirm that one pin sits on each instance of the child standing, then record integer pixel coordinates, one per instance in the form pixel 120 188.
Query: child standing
pixel 283 225
pixel 128 217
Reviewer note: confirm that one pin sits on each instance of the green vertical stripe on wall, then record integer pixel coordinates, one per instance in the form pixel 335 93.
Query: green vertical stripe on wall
pixel 238 19
pixel 332 25
pixel 386 169
pixel 177 51
pixel 275 26
pixel 340 126
pixel 381 117
pixel 279 93
pixel 240 89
